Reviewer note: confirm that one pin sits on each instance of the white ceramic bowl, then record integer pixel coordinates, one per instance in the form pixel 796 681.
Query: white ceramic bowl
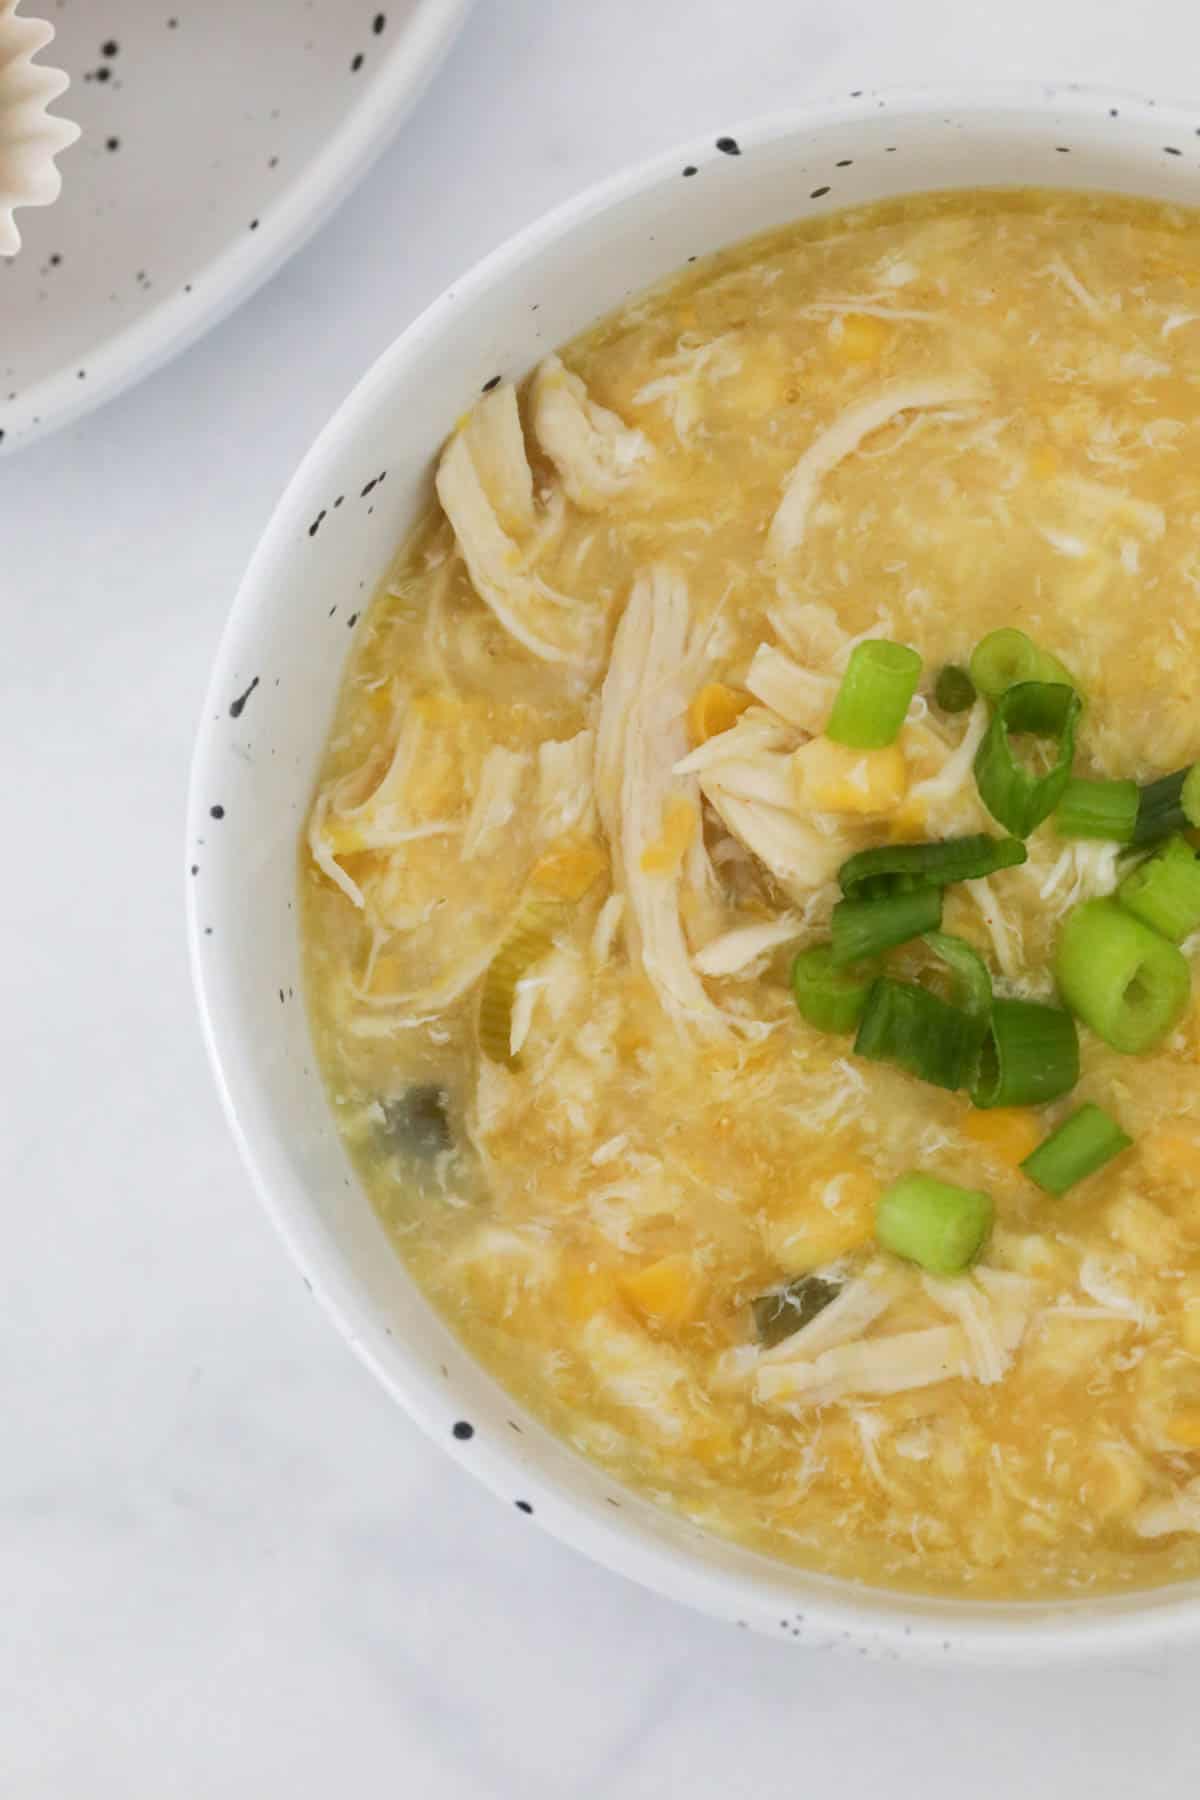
pixel 270 704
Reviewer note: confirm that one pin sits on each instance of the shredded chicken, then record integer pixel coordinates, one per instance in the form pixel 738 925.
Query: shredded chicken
pixel 639 740
pixel 485 487
pixel 754 799
pixel 882 1365
pixel 1162 1518
pixel 596 454
pixel 845 1319
pixel 796 693
pixel 843 437
pixel 738 952
pixel 495 799
pixel 565 795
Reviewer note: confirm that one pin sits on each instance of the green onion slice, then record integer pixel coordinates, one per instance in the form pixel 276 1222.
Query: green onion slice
pixel 1029 1055
pixel 938 1226
pixel 1098 809
pixel 910 1027
pixel 1014 796
pixel 830 997
pixel 1161 808
pixel 954 690
pixel 893 868
pixel 1189 796
pixel 865 928
pixel 1081 1145
pixel 532 935
pixel 787 1310
pixel 1120 977
pixel 879 682
pixel 1007 658
pixel 1164 892
pixel 968 972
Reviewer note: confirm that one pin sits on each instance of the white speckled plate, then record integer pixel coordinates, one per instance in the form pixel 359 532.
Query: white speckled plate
pixel 216 136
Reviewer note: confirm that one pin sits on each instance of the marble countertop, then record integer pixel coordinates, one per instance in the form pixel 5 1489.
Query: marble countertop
pixel 228 1565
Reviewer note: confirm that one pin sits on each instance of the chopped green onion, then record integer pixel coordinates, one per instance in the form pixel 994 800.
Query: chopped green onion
pixel 1190 796
pixel 1121 978
pixel 880 680
pixel 830 997
pixel 1161 808
pixel 1098 809
pixel 1080 1146
pixel 865 928
pixel 788 1310
pixel 954 690
pixel 1018 799
pixel 1030 1055
pixel 940 1227
pixel 969 972
pixel 893 868
pixel 907 1025
pixel 1006 658
pixel 1164 892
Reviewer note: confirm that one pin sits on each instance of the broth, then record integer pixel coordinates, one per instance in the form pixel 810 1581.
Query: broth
pixel 548 969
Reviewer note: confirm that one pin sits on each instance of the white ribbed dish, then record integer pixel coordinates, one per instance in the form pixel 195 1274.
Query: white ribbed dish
pixel 270 705
pixel 30 136
pixel 217 135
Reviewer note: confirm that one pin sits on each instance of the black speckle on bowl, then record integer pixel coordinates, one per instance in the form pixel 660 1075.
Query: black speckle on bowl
pixel 523 1506
pixel 237 707
pixel 729 146
pixel 691 169
pixel 819 193
pixel 216 812
pixel 316 524
pixel 463 1431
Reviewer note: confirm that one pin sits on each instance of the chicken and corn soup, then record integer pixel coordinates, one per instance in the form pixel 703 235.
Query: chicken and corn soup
pixel 750 895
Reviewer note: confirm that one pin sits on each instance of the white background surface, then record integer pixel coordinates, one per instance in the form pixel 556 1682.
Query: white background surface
pixel 227 1565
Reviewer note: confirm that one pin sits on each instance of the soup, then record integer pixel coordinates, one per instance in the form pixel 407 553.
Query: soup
pixel 749 897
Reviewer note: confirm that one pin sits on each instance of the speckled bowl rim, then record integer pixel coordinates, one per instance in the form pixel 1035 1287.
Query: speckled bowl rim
pixel 837 1614
pixel 247 262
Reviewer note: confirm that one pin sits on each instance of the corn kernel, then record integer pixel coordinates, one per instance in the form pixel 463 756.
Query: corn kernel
pixel 1183 1428
pixel 342 838
pixel 714 709
pixel 712 1444
pixel 387 976
pixel 861 338
pixel 667 1292
pixel 1172 1155
pixel 583 1292
pixel 1189 1321
pixel 568 868
pixel 1144 1229
pixel 1043 462
pixel 439 708
pixel 832 777
pixel 679 824
pixel 1011 1133
pixel 909 825
pixel 836 1217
